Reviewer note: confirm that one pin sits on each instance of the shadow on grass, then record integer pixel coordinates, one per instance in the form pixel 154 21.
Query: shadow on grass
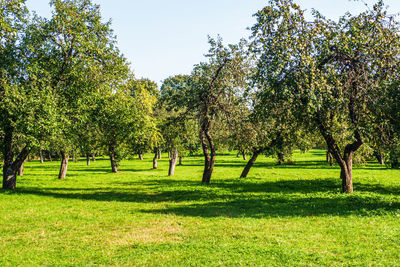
pixel 239 198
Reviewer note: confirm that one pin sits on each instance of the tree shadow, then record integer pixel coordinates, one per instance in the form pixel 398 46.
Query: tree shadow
pixel 238 198
pixel 278 206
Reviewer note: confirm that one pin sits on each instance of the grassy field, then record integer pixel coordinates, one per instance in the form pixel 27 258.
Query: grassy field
pixel 281 215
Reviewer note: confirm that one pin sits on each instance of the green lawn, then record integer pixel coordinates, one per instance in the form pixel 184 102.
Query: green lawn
pixel 281 215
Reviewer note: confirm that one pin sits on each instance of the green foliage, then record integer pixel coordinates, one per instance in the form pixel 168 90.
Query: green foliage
pixel 177 125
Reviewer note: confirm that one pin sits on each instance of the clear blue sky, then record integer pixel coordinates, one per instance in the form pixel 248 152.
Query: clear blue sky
pixel 167 37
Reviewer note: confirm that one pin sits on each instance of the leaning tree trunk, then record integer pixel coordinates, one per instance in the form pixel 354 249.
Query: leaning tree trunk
pixel 250 163
pixel 172 161
pixel 21 169
pixel 244 155
pixel 88 159
pixel 64 165
pixel 111 150
pixel 155 159
pixel 209 158
pixel 11 166
pixel 41 155
pixel 238 154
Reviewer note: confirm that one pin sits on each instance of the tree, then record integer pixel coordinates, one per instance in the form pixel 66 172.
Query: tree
pixel 327 73
pixel 26 100
pixel 212 91
pixel 82 58
pixel 148 139
pixel 123 117
pixel 178 128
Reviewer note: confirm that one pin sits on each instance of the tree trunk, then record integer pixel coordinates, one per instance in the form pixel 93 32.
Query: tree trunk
pixel 172 161
pixel 111 150
pixel 281 158
pixel 250 163
pixel 346 174
pixel 155 159
pixel 41 155
pixel 180 161
pixel 140 155
pixel 159 153
pixel 238 154
pixel 87 159
pixel 379 157
pixel 64 165
pixel 346 161
pixel 209 158
pixel 244 155
pixel 50 157
pixel 21 169
pixel 93 157
pixel 329 158
pixel 11 166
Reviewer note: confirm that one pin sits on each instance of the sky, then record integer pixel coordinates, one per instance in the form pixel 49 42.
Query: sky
pixel 162 38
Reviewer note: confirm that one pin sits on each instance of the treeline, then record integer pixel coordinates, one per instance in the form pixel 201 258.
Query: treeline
pixel 66 90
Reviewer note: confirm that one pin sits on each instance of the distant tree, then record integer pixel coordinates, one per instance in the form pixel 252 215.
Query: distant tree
pixel 148 139
pixel 178 128
pixel 124 115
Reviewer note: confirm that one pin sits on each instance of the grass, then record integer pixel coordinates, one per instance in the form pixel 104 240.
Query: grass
pixel 291 215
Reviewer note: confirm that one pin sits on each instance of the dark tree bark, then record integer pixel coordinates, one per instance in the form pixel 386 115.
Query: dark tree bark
pixel 155 159
pixel 244 155
pixel 11 166
pixel 88 159
pixel 281 158
pixel 208 146
pixel 172 161
pixel 64 165
pixel 238 154
pixel 41 155
pixel 250 163
pixel 140 155
pixel 111 150
pixel 180 161
pixel 93 157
